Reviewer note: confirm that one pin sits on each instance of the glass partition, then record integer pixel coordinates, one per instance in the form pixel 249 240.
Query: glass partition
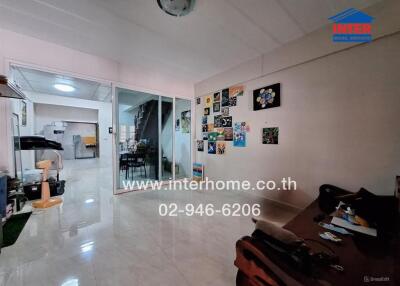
pixel 167 125
pixel 137 139
pixel 153 139
pixel 183 138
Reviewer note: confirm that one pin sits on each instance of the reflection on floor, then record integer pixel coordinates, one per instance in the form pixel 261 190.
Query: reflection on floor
pixel 96 238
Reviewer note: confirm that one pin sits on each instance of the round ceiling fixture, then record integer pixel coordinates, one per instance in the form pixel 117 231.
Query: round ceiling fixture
pixel 176 8
pixel 64 87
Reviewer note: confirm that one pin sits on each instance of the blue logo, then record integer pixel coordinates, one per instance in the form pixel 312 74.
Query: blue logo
pixel 352 25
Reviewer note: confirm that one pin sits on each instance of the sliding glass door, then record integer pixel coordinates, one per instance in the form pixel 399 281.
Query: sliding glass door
pixel 152 139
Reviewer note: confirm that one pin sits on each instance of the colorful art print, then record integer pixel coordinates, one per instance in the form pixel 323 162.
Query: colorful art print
pixel 225 111
pixel 267 97
pixel 200 145
pixel 207 111
pixel 232 101
pixel 236 91
pixel 212 136
pixel 204 120
pixel 217 96
pixel 178 125
pixel 221 148
pixel 209 100
pixel 221 134
pixel 216 107
pixel 228 133
pixel 239 139
pixel 212 147
pixel 225 97
pixel 226 121
pixel 24 117
pixel 186 119
pixel 210 127
pixel 271 135
pixel 205 135
pixel 242 126
pixel 218 121
pixel 198 100
pixel 198 172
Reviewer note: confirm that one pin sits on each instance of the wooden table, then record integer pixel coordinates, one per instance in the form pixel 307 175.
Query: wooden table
pixel 364 258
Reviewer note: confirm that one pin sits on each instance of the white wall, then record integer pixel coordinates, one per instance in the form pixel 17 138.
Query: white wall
pixel 338 124
pixel 103 109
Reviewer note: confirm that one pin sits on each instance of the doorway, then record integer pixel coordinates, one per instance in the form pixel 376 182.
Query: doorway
pixel 152 139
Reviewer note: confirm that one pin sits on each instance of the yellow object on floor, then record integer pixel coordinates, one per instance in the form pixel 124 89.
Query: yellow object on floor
pixel 45 201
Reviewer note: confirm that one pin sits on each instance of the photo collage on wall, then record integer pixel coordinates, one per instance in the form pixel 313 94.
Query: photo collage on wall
pixel 218 125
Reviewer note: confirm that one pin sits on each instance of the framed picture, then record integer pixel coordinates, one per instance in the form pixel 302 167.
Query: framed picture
pixel 226 121
pixel 225 111
pixel 225 97
pixel 239 139
pixel 228 133
pixel 221 148
pixel 207 111
pixel 209 100
pixel 204 119
pixel 178 125
pixel 186 119
pixel 212 147
pixel 212 136
pixel 200 145
pixel 217 121
pixel 217 96
pixel 23 113
pixel 198 100
pixel 267 97
pixel 221 135
pixel 236 91
pixel 205 127
pixel 216 107
pixel 205 135
pixel 271 135
pixel 232 101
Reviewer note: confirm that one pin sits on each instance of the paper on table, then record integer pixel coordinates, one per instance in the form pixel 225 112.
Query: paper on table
pixel 362 229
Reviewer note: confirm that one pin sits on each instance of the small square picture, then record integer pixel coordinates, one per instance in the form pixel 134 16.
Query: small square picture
pixel 221 135
pixel 207 111
pixel 198 100
pixel 200 145
pixel 232 101
pixel 205 135
pixel 228 133
pixel 225 111
pixel 212 136
pixel 270 135
pixel 204 120
pixel 205 127
pixel 209 100
pixel 226 121
pixel 221 148
pixel 212 147
pixel 217 96
pixel 267 97
pixel 210 127
pixel 236 91
pixel 216 107
pixel 225 97
pixel 217 121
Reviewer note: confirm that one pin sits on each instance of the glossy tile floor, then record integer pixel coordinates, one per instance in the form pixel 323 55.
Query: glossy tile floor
pixel 96 238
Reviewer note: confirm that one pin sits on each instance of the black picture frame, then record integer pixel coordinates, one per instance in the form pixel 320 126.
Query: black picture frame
pixel 267 97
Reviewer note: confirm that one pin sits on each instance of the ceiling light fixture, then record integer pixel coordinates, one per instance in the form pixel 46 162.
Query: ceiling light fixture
pixel 64 87
pixel 176 8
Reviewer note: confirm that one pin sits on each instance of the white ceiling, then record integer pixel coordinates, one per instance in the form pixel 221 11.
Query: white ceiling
pixel 216 36
pixel 43 82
